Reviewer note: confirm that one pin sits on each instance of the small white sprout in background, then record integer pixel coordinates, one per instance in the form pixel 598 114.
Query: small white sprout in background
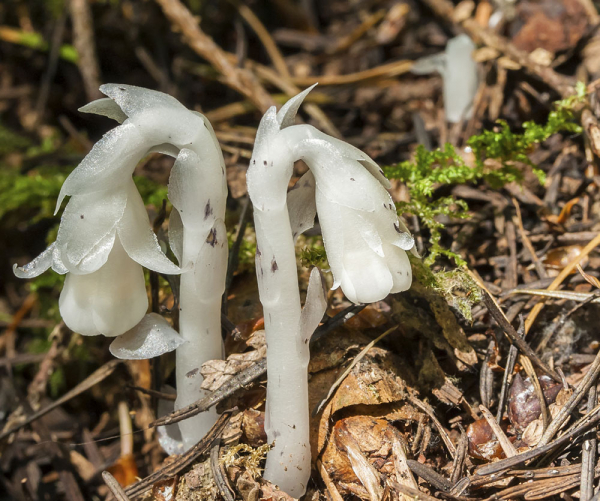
pixel 459 72
pixel 366 246
pixel 105 238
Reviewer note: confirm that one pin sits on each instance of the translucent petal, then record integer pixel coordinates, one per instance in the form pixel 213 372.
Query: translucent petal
pixel 75 303
pixel 87 228
pixel 152 337
pixel 314 306
pixel 211 264
pixel 105 107
pixel 138 239
pixel 109 301
pixel 349 151
pixel 197 188
pixel 120 300
pixel 342 180
pixel 333 235
pixel 302 205
pixel 267 129
pixel 109 165
pixel 176 235
pixel 351 241
pixel 367 277
pixel 287 113
pixel 57 264
pixel 159 117
pixel 38 266
pixel 134 100
pixel 369 233
pixel 399 267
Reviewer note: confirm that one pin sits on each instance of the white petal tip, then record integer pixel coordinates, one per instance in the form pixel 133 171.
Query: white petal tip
pixel 152 337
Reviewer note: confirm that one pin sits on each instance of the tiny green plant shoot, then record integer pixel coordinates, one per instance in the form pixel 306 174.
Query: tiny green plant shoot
pixel 444 166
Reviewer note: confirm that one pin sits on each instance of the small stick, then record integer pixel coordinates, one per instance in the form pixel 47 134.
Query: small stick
pixel 217 472
pixel 563 415
pixel 513 353
pixel 486 377
pixel 93 379
pixel 239 79
pixel 505 443
pixel 514 337
pixel 535 311
pixel 331 488
pixel 430 475
pixel 539 267
pixel 441 430
pixel 584 424
pixel 415 494
pixel 153 393
pixel 526 363
pixel 588 454
pixel 114 486
pixel 182 461
pixel 459 459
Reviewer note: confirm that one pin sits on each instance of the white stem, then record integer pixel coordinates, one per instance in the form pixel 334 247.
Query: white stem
pixel 200 326
pixel 287 417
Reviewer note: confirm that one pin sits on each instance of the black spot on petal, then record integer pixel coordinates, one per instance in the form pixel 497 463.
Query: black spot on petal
pixel 274 266
pixel 352 179
pixel 81 217
pixel 265 163
pixel 212 237
pixel 207 210
pixel 397 228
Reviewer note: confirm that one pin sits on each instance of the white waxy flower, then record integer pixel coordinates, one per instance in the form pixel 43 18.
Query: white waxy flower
pixel 459 71
pixel 366 247
pixel 365 241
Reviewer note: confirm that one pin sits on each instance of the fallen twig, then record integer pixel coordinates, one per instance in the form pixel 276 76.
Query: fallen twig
pixel 581 391
pixel 239 79
pixel 183 461
pixel 114 486
pixel 584 424
pixel 588 454
pixel 93 379
pixel 514 337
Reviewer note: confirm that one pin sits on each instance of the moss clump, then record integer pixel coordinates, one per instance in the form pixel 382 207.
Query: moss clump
pixel 246 457
pixel 444 166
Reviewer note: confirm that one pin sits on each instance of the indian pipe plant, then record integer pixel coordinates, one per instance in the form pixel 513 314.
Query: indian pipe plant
pixel 104 240
pixel 366 246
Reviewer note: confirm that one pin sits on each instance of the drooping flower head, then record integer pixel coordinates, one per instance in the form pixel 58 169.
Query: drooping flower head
pixel 104 238
pixel 365 241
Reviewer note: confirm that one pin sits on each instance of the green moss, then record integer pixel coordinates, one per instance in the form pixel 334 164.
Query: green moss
pixel 444 166
pixel 152 193
pixel 313 254
pixel 247 251
pixel 38 190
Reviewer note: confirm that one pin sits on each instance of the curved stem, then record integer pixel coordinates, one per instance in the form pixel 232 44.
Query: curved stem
pixel 200 326
pixel 287 416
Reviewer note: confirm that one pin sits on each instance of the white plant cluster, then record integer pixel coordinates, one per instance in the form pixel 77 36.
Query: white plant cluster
pixel 105 239
pixel 366 246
